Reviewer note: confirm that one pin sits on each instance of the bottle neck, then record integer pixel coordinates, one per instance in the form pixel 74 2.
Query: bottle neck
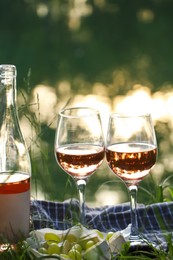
pixel 7 86
pixel 9 95
pixel 7 101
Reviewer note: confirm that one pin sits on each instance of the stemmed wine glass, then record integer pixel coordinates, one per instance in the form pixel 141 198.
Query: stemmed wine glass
pixel 131 151
pixel 79 146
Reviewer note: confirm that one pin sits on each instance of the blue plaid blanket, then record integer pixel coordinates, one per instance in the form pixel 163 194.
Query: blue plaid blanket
pixel 155 220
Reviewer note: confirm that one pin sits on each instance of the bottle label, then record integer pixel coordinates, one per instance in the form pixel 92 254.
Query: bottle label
pixel 14 206
pixel 14 216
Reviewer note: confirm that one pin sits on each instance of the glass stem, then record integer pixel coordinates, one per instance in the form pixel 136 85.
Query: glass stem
pixel 134 236
pixel 81 184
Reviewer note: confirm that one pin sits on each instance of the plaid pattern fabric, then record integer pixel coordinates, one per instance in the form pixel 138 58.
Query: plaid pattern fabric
pixel 155 220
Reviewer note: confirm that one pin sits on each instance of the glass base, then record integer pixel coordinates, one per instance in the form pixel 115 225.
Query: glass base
pixel 138 243
pixel 139 240
pixel 142 247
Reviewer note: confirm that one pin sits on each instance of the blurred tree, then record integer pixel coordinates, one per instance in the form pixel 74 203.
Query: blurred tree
pixel 63 39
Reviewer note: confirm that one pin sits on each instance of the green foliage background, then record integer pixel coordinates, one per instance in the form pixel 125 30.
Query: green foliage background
pixel 134 37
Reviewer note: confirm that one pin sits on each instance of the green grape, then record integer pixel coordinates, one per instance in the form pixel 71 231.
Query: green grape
pixel 109 235
pixel 51 238
pixel 74 255
pixel 71 238
pixel 83 241
pixel 54 249
pixel 100 234
pixel 42 250
pixel 77 247
pixel 89 244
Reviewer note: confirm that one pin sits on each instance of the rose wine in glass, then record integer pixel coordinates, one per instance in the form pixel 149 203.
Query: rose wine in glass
pixel 79 146
pixel 131 152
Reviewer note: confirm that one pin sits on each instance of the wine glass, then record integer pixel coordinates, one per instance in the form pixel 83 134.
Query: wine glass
pixel 79 146
pixel 131 151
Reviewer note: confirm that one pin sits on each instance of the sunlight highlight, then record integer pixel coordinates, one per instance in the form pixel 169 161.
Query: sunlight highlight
pixel 138 101
pixel 80 8
pixel 145 15
pixel 47 101
pixel 46 98
pixel 109 197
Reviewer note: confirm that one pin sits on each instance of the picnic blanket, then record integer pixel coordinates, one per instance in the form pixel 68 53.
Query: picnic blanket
pixel 155 221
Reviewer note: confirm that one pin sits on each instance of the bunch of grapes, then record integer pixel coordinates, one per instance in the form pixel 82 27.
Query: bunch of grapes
pixel 69 246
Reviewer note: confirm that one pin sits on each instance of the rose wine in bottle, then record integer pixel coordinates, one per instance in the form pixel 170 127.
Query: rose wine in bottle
pixel 15 166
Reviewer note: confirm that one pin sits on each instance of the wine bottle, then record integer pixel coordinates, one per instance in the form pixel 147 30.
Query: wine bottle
pixel 15 165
